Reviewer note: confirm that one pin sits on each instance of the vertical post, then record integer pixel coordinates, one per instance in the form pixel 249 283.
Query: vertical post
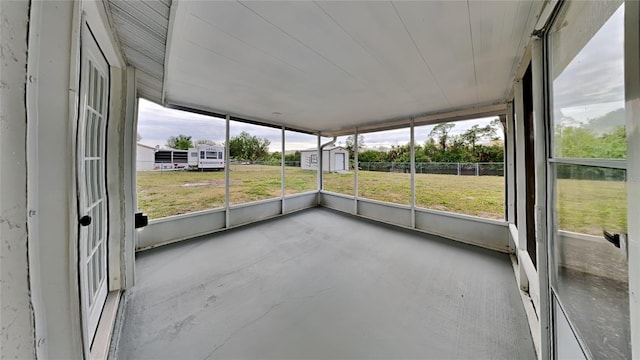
pixel 477 169
pixel 632 111
pixel 227 219
pixel 459 169
pixel 509 171
pixel 282 174
pixel 319 157
pixel 540 157
pixel 355 172
pixel 520 180
pixel 412 147
pixel 131 206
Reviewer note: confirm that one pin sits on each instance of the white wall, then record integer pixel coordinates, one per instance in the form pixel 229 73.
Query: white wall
pixel 16 317
pixel 305 160
pixel 145 158
pixel 53 53
pixel 52 97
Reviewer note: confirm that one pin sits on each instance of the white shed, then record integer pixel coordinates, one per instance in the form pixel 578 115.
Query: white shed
pixel 334 158
pixel 145 157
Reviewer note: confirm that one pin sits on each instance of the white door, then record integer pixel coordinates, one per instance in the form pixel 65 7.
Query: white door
pixel 92 200
pixel 339 163
pixel 589 270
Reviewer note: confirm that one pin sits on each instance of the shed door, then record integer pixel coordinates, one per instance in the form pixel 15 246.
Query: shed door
pixel 339 163
pixel 92 199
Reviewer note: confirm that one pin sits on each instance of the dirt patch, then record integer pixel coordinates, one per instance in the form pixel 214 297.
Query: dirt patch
pixel 211 183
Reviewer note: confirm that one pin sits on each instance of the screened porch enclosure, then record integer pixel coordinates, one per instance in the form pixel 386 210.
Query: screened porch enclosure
pixel 390 179
pixel 374 74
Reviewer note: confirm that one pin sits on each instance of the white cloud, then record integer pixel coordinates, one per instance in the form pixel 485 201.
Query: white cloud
pixel 592 84
pixel 156 124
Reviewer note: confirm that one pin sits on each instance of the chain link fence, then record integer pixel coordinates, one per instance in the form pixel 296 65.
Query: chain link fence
pixel 460 169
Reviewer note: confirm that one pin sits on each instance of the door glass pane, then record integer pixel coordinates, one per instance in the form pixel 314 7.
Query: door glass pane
pixel 587 69
pixel 99 137
pixel 590 273
pixel 89 95
pixel 567 346
pixel 94 84
pixel 100 104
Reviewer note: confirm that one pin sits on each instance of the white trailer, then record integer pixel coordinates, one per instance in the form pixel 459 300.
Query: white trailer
pixel 207 157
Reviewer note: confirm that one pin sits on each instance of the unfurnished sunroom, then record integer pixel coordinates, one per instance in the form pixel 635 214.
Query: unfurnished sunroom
pixel 486 208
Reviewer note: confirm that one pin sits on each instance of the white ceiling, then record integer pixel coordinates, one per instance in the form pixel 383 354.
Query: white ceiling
pixel 335 65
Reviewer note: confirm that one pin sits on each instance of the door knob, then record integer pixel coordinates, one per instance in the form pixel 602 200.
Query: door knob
pixel 85 220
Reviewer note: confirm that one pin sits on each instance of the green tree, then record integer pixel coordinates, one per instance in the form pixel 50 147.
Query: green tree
pixel 350 145
pixel 441 133
pixel 371 155
pixel 399 153
pixel 293 156
pixel 582 142
pixel 180 142
pixel 246 147
pixel 430 150
pixel 478 133
pixel 614 144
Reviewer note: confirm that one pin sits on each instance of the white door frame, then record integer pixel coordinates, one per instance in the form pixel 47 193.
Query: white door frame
pixel 632 109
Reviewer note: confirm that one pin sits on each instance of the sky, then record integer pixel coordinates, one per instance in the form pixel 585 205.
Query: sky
pixel 592 83
pixel 156 124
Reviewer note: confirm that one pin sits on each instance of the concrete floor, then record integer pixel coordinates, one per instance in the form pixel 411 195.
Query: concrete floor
pixel 321 284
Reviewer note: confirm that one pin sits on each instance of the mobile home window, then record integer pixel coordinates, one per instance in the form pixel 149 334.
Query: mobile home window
pixel 212 155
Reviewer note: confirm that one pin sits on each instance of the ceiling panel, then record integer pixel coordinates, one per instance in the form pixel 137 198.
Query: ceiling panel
pixel 334 65
pixel 451 62
pixel 141 28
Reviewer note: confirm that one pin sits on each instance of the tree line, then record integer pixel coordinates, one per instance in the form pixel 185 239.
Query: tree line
pixel 476 144
pixel 594 139
pixel 441 146
pixel 244 147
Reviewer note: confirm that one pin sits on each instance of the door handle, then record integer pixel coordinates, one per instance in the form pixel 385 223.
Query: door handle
pixel 617 240
pixel 85 220
pixel 141 220
pixel 612 238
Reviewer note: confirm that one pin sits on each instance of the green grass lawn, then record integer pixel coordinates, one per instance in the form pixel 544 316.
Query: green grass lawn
pixel 589 206
pixel 583 205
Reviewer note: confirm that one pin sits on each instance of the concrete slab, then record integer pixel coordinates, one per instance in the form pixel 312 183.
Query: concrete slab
pixel 322 284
